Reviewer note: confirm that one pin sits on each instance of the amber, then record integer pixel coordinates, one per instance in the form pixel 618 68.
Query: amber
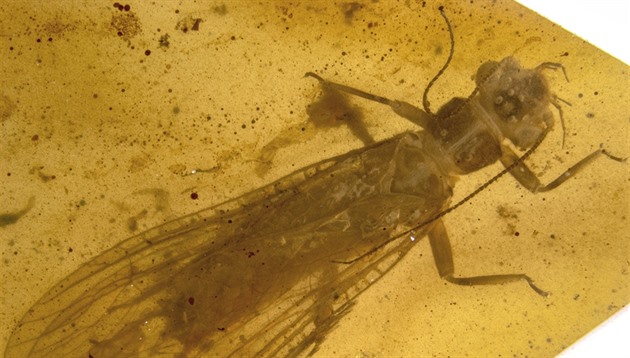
pixel 126 101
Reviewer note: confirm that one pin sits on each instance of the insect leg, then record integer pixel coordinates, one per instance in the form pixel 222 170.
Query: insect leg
pixel 553 66
pixel 443 256
pixel 528 179
pixel 403 109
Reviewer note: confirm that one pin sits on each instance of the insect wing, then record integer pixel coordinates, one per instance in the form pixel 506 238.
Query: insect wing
pixel 103 295
pixel 312 313
pixel 130 299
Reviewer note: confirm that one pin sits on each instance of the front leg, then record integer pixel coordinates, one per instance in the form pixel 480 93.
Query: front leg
pixel 443 256
pixel 530 181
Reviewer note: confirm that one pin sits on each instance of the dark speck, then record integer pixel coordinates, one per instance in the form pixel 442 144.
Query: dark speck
pixel 164 41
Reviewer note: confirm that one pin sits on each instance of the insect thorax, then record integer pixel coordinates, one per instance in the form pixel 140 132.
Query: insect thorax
pixel 509 102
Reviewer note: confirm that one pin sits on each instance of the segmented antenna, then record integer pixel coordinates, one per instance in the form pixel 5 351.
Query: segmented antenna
pixel 457 205
pixel 425 95
pixel 505 170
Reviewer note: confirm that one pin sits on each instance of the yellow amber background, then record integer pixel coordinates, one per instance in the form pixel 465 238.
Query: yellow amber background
pixel 117 129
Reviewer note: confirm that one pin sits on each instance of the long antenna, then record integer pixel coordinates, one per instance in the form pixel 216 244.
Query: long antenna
pixel 482 187
pixel 425 99
pixel 458 204
pixel 505 170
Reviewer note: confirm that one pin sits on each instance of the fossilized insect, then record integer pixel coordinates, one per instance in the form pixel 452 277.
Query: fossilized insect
pixel 226 281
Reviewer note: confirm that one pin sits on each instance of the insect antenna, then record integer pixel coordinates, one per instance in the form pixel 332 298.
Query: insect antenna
pixel 425 99
pixel 459 203
pixel 483 186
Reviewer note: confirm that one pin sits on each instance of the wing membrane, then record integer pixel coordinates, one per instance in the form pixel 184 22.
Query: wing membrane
pixel 257 275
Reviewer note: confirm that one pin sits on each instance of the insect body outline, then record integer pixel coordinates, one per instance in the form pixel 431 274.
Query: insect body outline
pixel 224 280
